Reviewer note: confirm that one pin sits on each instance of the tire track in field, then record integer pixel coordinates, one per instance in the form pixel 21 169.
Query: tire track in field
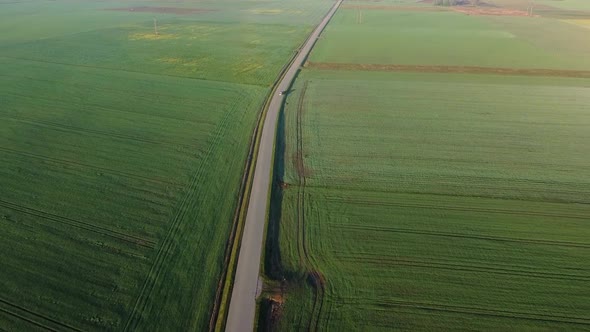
pixel 136 93
pixel 22 310
pixel 103 169
pixel 484 311
pixel 466 236
pixel 146 243
pixel 465 267
pixel 30 321
pixel 168 242
pixel 123 70
pixel 66 128
pixel 300 167
pixel 106 109
pixel 483 193
pixel 315 277
pixel 461 208
pixel 508 193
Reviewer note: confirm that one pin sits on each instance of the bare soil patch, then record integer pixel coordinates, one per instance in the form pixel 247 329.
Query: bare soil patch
pixel 397 8
pixel 451 69
pixel 490 11
pixel 161 10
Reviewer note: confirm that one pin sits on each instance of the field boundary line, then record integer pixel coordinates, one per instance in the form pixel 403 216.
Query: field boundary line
pixel 449 69
pixel 80 224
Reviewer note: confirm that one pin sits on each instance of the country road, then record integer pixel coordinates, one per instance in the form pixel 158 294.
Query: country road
pixel 243 299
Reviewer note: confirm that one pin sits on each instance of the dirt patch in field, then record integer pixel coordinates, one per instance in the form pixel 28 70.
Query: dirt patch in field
pixel 580 23
pixel 490 11
pixel 270 11
pixel 450 69
pixel 457 3
pixel 161 10
pixel 397 8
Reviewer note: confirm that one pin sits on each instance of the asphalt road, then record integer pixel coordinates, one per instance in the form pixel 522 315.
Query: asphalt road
pixel 243 300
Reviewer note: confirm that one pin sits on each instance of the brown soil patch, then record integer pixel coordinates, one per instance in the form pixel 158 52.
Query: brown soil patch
pixel 457 3
pixel 490 11
pixel 397 8
pixel 450 69
pixel 277 298
pixel 161 10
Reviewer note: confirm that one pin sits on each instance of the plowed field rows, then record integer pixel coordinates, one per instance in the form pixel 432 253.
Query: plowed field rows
pixel 436 201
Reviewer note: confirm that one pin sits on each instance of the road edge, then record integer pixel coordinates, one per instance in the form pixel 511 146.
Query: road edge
pixel 219 312
pixel 296 63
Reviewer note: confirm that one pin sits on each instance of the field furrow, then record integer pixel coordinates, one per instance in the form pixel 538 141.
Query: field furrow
pixel 123 150
pixel 449 199
pixel 147 243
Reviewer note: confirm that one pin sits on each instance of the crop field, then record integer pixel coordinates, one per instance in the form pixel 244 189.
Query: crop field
pixel 566 4
pixel 373 35
pixel 464 210
pixel 416 190
pixel 122 152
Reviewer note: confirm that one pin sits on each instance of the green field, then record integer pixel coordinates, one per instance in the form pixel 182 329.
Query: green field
pixel 567 4
pixel 452 39
pixel 122 152
pixel 464 210
pixel 428 200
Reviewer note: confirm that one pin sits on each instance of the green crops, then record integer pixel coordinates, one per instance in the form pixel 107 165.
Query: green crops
pixel 121 154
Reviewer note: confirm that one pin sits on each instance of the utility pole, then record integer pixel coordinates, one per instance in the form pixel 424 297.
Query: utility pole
pixel 156 26
pixel 359 15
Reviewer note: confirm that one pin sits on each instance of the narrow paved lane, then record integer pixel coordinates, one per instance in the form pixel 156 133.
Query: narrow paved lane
pixel 243 300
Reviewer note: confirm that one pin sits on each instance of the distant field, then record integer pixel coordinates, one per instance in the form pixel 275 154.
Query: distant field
pixel 121 153
pixel 467 209
pixel 432 174
pixel 566 4
pixel 381 36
